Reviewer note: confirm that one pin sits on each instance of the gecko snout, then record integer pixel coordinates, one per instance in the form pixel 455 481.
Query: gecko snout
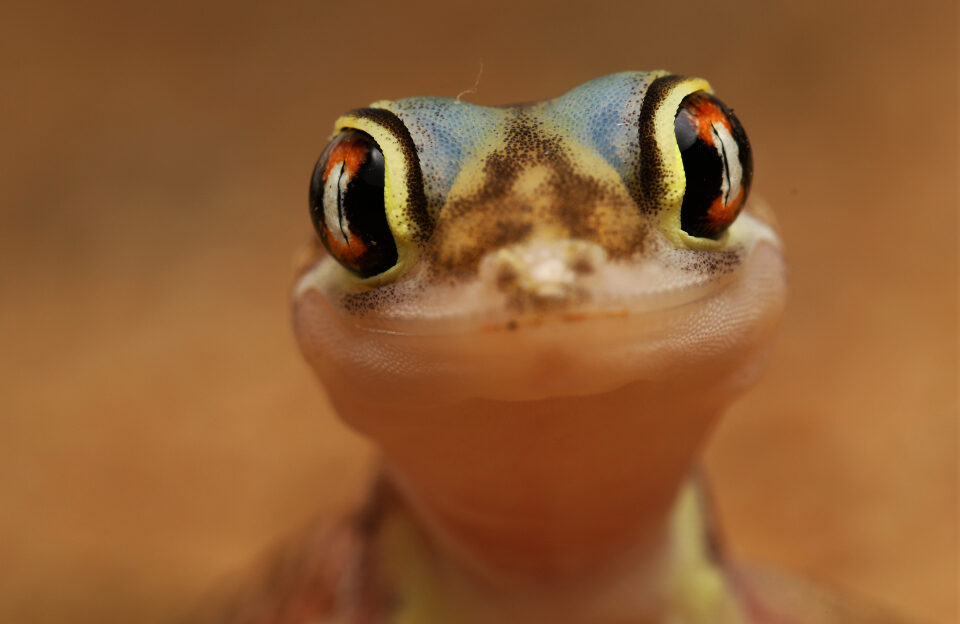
pixel 541 274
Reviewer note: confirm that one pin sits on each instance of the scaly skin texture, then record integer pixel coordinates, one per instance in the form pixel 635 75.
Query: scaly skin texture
pixel 539 367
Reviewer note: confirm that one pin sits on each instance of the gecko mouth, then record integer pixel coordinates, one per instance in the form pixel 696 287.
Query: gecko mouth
pixel 575 348
pixel 510 302
pixel 542 282
pixel 507 298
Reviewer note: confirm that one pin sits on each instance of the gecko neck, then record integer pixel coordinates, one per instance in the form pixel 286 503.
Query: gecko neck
pixel 548 491
pixel 686 583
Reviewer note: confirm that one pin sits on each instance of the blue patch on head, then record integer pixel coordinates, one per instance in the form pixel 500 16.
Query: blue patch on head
pixel 447 133
pixel 601 114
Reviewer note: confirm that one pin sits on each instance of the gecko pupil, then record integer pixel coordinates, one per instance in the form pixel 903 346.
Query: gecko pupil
pixel 347 204
pixel 717 164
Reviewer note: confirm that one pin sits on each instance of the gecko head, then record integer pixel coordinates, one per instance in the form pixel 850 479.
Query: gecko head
pixel 567 247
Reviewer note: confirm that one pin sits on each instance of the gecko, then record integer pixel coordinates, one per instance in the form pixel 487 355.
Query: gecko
pixel 537 313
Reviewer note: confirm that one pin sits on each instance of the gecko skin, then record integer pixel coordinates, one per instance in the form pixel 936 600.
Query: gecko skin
pixel 537 313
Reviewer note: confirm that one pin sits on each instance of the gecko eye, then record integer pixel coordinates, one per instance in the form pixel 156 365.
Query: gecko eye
pixel 347 204
pixel 717 165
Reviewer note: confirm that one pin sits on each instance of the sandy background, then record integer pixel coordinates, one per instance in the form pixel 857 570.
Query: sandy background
pixel 157 427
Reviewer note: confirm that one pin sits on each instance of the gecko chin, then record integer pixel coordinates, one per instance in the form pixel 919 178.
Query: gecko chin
pixel 548 320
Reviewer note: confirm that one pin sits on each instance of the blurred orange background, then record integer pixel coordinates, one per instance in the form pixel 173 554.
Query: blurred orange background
pixel 158 429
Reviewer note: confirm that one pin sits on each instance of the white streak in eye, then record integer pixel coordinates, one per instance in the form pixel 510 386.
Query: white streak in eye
pixel 334 190
pixel 341 197
pixel 732 171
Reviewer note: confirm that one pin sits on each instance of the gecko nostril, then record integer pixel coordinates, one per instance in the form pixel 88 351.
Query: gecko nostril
pixel 506 277
pixel 582 266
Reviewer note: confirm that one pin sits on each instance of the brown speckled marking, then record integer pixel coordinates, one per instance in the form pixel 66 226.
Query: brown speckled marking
pixel 416 208
pixel 566 203
pixel 361 303
pixel 714 263
pixel 649 186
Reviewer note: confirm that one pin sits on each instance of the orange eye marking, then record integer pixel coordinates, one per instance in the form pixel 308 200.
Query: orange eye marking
pixel 351 251
pixel 350 152
pixel 721 215
pixel 707 113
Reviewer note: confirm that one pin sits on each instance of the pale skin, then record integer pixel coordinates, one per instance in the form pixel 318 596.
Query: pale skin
pixel 541 353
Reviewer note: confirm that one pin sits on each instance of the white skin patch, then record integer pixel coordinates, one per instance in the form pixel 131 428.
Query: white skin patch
pixel 730 154
pixel 333 192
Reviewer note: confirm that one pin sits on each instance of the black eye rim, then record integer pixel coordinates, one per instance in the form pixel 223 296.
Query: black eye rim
pixel 361 239
pixel 651 168
pixel 415 210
